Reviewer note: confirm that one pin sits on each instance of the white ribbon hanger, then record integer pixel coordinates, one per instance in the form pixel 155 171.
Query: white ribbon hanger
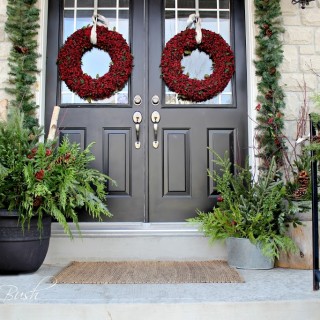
pixel 97 20
pixel 194 19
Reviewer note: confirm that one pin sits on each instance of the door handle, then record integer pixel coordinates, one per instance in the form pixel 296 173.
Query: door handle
pixel 137 118
pixel 155 118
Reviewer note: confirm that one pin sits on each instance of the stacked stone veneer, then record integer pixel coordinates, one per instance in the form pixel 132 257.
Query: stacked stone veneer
pixel 301 57
pixel 4 51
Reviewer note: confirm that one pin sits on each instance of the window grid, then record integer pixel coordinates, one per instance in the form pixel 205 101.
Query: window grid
pixel 67 93
pixel 176 11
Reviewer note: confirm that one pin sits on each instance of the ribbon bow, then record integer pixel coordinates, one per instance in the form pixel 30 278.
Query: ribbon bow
pixel 194 19
pixel 98 20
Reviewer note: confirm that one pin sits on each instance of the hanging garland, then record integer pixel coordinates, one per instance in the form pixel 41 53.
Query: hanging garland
pixel 270 94
pixel 22 27
pixel 86 87
pixel 193 89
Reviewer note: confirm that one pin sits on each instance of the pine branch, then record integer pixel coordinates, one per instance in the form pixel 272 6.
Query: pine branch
pixel 270 94
pixel 22 29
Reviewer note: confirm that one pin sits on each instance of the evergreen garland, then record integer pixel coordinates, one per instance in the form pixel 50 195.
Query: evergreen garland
pixel 270 95
pixel 22 28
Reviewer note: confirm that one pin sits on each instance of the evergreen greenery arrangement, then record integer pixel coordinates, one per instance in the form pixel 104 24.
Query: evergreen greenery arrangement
pixel 299 184
pixel 270 94
pixel 39 178
pixel 22 28
pixel 249 209
pixel 314 145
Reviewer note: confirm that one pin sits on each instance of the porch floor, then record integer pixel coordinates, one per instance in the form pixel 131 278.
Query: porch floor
pixel 267 292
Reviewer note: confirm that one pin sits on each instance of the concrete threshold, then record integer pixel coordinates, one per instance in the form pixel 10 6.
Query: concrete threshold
pixel 265 295
pixel 132 241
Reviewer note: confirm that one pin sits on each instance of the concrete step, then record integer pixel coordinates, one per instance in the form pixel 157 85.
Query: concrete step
pixel 191 311
pixel 265 295
pixel 132 241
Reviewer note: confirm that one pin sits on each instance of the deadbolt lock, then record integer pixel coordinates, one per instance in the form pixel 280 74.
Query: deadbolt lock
pixel 155 100
pixel 137 100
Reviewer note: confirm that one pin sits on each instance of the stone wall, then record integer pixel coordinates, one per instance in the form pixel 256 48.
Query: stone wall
pixel 301 57
pixel 4 50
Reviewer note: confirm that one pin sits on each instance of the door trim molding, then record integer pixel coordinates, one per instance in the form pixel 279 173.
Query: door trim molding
pixel 251 77
pixel 42 49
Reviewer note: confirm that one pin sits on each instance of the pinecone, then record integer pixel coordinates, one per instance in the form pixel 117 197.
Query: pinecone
pixel 268 33
pixel 299 193
pixel 272 70
pixel 20 49
pixel 303 179
pixel 37 201
pixel 269 95
pixel 316 139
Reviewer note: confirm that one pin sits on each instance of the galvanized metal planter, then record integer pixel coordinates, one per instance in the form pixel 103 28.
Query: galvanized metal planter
pixel 242 254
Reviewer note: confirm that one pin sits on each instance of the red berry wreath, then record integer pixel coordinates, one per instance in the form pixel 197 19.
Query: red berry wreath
pixel 86 87
pixel 193 89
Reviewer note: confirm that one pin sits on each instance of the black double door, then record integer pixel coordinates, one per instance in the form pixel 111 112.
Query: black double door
pixel 163 177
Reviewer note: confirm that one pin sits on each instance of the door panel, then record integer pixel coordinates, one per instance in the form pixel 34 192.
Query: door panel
pixel 109 122
pixel 115 154
pixel 169 182
pixel 222 141
pixel 116 160
pixel 178 182
pixel 184 158
pixel 176 163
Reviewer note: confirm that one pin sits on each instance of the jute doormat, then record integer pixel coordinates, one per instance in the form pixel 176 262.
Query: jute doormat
pixel 134 272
